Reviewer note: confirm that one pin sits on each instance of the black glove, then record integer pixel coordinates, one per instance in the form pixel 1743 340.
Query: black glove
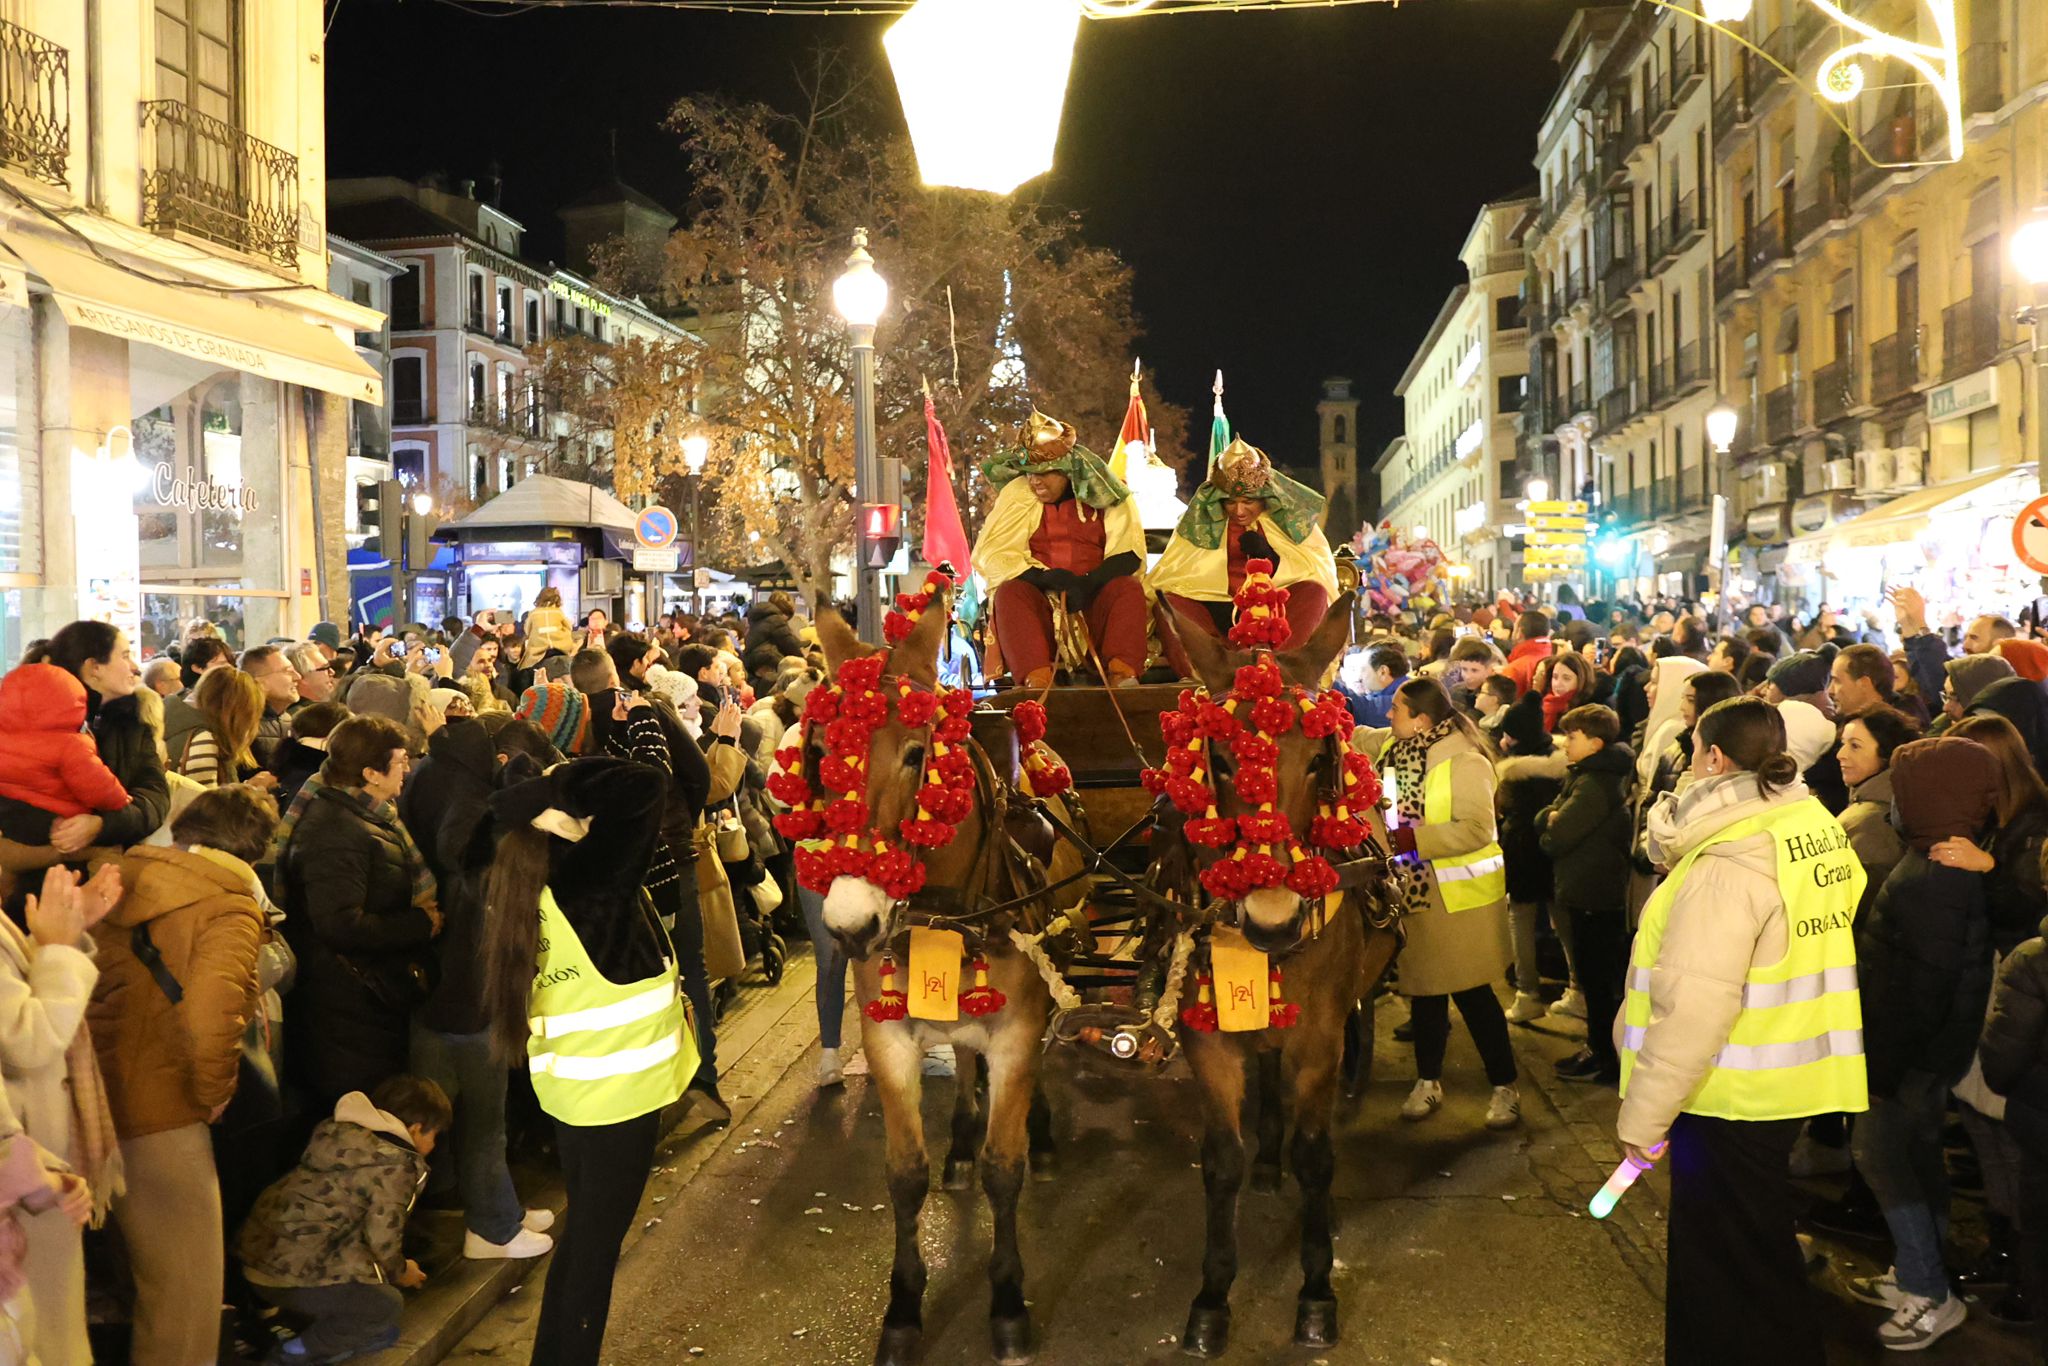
pixel 1088 585
pixel 1256 547
pixel 1052 580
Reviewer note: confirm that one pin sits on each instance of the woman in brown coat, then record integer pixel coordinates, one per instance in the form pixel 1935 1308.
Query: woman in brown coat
pixel 177 959
pixel 1450 955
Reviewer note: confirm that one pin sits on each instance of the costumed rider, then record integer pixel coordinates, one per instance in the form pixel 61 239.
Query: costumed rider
pixel 1246 510
pixel 1064 536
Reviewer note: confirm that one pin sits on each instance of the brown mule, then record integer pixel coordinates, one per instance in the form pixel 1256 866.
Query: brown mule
pixel 977 868
pixel 1330 965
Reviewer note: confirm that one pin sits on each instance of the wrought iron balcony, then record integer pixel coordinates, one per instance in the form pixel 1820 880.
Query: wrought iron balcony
pixel 1731 270
pixel 1830 205
pixel 35 104
pixel 1619 278
pixel 1581 401
pixel 410 412
pixel 1620 404
pixel 1767 245
pixel 1687 67
pixel 210 179
pixel 1835 391
pixel 1687 371
pixel 1969 335
pixel 1731 106
pixel 1692 488
pixel 1781 412
pixel 1895 366
pixel 1575 289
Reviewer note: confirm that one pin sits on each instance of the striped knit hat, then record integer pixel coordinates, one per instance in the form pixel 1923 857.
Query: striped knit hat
pixel 559 710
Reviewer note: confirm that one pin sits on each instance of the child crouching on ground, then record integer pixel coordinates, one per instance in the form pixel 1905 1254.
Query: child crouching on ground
pixel 326 1241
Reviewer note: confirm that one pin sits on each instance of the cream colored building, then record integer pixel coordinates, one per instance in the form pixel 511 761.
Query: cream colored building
pixel 1867 311
pixel 176 369
pixel 1462 397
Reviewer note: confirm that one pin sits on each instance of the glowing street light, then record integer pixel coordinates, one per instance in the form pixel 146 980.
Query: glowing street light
pixel 860 295
pixel 1421 532
pixel 1721 425
pixel 422 503
pixel 1538 490
pixel 2030 250
pixel 982 84
pixel 696 450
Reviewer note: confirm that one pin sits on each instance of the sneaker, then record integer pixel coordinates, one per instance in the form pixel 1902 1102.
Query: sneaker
pixel 1572 1003
pixel 523 1244
pixel 1528 1006
pixel 831 1072
pixel 1882 1291
pixel 1423 1101
pixel 1811 1158
pixel 1585 1065
pixel 1504 1111
pixel 538 1220
pixel 1918 1323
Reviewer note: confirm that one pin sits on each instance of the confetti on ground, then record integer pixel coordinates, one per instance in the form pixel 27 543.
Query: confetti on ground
pixel 815 1209
pixel 824 1228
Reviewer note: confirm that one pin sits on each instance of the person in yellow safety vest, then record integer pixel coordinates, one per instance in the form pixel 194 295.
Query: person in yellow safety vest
pixel 580 982
pixel 1439 771
pixel 1741 1018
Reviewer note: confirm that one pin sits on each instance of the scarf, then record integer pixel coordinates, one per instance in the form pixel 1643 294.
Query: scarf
pixel 1408 760
pixel 95 1146
pixel 424 891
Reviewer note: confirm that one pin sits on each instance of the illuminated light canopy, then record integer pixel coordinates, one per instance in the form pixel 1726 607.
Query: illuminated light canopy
pixel 982 83
pixel 1842 82
pixel 2030 250
pixel 1725 11
pixel 1721 425
pixel 1937 61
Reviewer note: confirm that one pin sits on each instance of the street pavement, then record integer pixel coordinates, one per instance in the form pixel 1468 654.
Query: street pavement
pixel 769 1243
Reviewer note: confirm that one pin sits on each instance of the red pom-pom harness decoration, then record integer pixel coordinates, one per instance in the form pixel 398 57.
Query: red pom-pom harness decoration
pixel 1044 774
pixel 1265 849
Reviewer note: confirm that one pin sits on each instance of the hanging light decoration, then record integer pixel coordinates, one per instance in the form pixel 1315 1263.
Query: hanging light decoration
pixel 982 84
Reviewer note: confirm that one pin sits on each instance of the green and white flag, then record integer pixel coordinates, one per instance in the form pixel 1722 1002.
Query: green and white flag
pixel 1219 427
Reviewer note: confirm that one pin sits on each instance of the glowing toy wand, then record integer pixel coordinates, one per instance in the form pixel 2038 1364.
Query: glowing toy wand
pixel 1624 1176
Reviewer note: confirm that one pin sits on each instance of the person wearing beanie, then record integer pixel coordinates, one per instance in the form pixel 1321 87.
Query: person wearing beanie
pixel 1803 675
pixel 2025 705
pixel 1923 955
pixel 559 710
pixel 326 635
pixel 1810 737
pixel 1528 778
pixel 2029 658
pixel 1966 679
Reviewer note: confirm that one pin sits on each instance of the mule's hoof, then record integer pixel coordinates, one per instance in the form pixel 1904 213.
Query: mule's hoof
pixel 958 1175
pixel 1208 1332
pixel 1010 1340
pixel 900 1344
pixel 1266 1178
pixel 1315 1323
pixel 1045 1165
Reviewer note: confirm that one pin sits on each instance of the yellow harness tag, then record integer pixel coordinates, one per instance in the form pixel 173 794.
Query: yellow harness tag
pixel 1240 974
pixel 934 987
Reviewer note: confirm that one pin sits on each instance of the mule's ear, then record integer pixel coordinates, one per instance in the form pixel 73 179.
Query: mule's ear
pixel 916 656
pixel 1308 663
pixel 1210 656
pixel 837 639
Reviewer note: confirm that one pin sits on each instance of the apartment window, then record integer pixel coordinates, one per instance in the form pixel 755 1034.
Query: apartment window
pixel 479 389
pixel 533 409
pixel 1507 313
pixel 409 466
pixel 561 314
pixel 1337 430
pixel 504 312
pixel 1511 391
pixel 406 293
pixel 597 326
pixel 532 318
pixel 197 53
pixel 504 392
pixel 476 301
pixel 479 475
pixel 359 293
pixel 408 389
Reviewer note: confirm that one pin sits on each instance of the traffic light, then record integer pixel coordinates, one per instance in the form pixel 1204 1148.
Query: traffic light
pixel 881 532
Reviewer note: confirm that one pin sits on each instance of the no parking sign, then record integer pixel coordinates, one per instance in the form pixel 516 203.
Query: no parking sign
pixel 656 528
pixel 2030 536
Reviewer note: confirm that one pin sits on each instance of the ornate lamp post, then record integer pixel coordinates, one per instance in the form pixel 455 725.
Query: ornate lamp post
pixel 696 450
pixel 860 295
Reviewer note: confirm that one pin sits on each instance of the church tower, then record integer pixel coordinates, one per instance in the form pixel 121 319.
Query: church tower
pixel 1337 416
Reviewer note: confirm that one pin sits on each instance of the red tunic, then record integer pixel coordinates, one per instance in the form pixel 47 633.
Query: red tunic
pixel 1067 539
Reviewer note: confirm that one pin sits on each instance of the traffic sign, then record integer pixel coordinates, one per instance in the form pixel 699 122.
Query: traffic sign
pixel 646 561
pixel 2030 536
pixel 656 528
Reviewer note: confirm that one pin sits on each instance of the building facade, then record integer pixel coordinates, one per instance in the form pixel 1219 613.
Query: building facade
pixel 1337 443
pixel 171 391
pixel 1462 400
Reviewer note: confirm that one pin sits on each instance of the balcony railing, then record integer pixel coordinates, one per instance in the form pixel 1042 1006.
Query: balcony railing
pixel 1575 289
pixel 1676 232
pixel 1835 391
pixel 1633 505
pixel 410 412
pixel 1831 205
pixel 1969 335
pixel 1893 139
pixel 210 179
pixel 1810 24
pixel 35 104
pixel 1767 244
pixel 1779 44
pixel 1731 270
pixel 1895 366
pixel 1618 406
pixel 1619 278
pixel 1686 68
pixel 1581 400
pixel 1687 372
pixel 1731 106
pixel 1781 412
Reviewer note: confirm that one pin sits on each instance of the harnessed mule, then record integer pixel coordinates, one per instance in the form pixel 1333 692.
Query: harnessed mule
pixel 982 866
pixel 1331 953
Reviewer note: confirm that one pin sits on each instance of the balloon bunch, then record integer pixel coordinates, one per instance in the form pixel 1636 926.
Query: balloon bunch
pixel 833 834
pixel 1044 774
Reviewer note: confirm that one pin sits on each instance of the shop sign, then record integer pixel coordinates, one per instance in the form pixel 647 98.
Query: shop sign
pixel 185 489
pixel 1811 514
pixel 1970 394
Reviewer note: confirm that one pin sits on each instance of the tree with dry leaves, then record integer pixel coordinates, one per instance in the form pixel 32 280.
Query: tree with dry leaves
pixel 996 303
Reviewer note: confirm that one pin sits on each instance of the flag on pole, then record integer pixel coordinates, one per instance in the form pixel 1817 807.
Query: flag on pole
pixel 945 539
pixel 1136 434
pixel 1219 427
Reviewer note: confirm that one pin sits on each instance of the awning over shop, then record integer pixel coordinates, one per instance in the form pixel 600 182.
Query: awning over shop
pixel 240 332
pixel 1902 519
pixel 542 500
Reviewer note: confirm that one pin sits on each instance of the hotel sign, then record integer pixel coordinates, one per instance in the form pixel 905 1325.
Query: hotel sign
pixel 582 298
pixel 1970 394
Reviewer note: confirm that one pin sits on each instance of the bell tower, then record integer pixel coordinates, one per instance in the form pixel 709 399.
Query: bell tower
pixel 1337 417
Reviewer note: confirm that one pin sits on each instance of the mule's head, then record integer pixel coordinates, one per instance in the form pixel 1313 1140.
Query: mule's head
pixel 857 912
pixel 1275 919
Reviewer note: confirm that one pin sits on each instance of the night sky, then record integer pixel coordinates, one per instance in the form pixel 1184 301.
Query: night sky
pixel 1289 188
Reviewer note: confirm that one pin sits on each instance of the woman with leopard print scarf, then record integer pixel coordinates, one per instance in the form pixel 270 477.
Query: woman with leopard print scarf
pixel 1450 955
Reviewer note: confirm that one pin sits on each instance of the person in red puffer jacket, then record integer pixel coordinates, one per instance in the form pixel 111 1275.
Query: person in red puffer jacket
pixel 47 761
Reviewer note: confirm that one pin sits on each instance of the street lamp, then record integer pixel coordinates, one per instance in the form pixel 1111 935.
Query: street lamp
pixel 2030 255
pixel 696 450
pixel 1721 425
pixel 422 503
pixel 1538 490
pixel 860 295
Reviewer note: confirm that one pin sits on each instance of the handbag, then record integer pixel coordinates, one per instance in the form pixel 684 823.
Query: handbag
pixel 724 955
pixel 258 1098
pixel 733 845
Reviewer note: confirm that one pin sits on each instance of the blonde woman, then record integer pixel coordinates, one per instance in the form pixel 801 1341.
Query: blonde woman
pixel 217 753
